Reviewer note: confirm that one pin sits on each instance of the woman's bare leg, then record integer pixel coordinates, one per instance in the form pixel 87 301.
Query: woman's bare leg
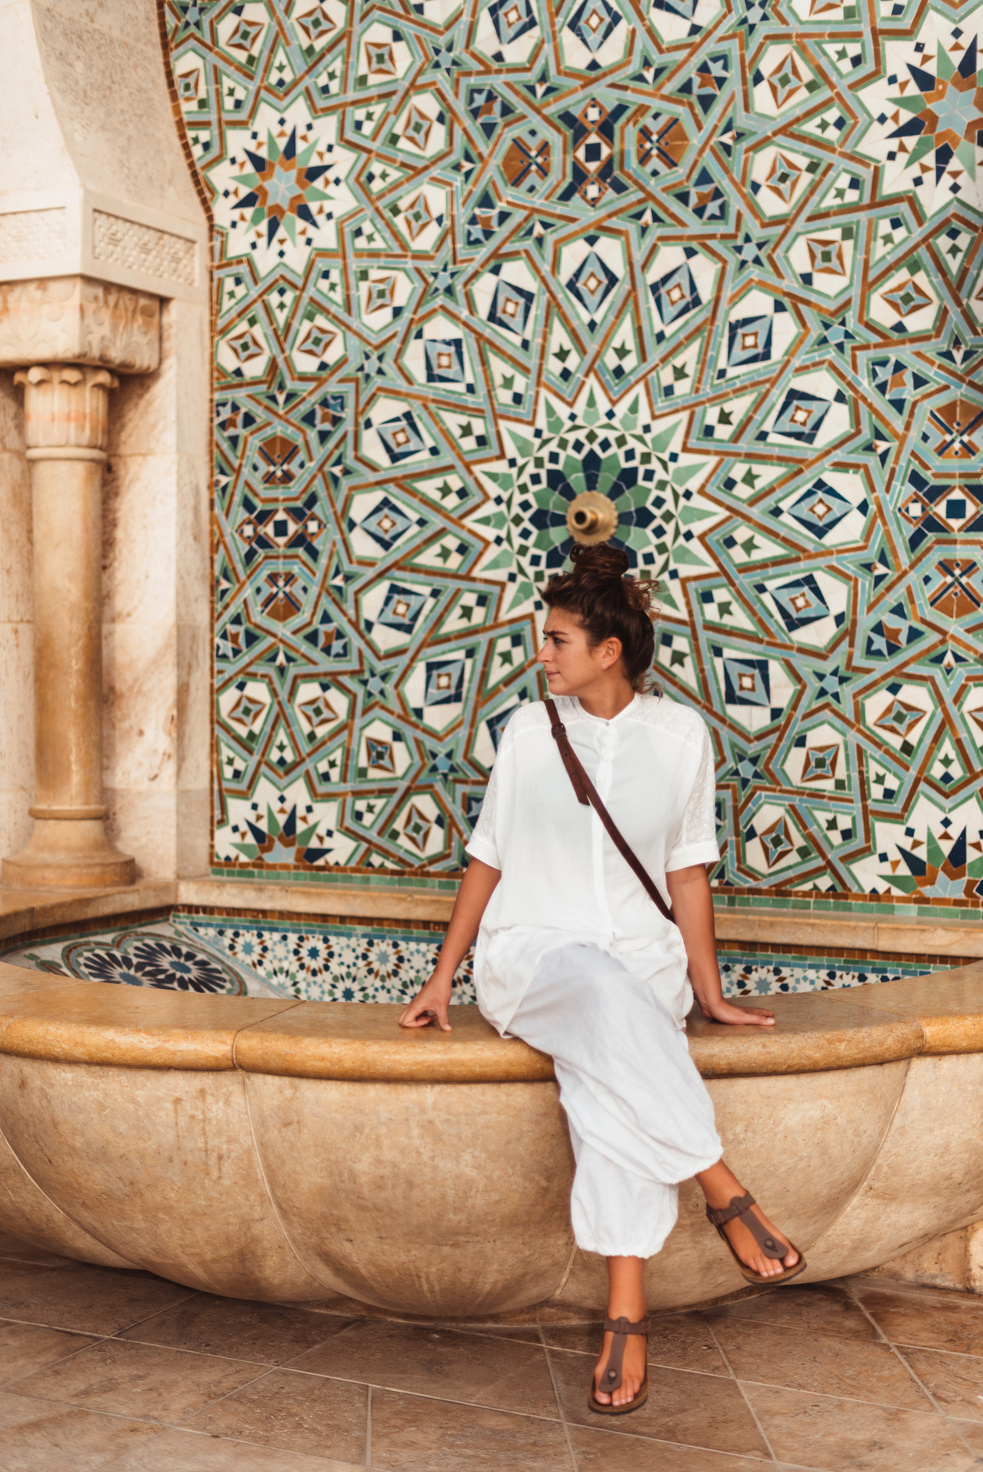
pixel 720 1185
pixel 626 1300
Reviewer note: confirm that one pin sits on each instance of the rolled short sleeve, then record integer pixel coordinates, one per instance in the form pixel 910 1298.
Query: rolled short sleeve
pixel 483 844
pixel 696 839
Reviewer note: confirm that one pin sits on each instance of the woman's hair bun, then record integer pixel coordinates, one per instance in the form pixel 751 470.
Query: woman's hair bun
pixel 600 563
pixel 600 566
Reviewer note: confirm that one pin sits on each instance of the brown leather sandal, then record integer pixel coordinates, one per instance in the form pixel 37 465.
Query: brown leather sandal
pixel 611 1378
pixel 740 1206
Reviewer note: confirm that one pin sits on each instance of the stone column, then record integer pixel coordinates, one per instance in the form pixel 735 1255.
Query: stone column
pixel 66 417
pixel 77 333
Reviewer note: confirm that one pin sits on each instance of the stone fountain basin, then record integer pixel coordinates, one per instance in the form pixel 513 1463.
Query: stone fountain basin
pixel 295 1151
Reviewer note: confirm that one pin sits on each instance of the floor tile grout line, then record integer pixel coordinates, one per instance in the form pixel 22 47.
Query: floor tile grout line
pixel 99 1411
pixel 153 1344
pixel 97 1334
pixel 559 1402
pixel 477 1405
pixel 949 1420
pixel 211 1354
pixel 163 1425
pixel 743 1394
pixel 959 1354
pixel 54 1328
pixel 57 1328
pixel 899 1356
pixel 8 1385
pixel 206 1406
pixel 268 1369
pixel 783 1328
pixel 853 1400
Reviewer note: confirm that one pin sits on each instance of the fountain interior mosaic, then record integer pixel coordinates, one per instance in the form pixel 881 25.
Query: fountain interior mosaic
pixel 359 963
pixel 718 260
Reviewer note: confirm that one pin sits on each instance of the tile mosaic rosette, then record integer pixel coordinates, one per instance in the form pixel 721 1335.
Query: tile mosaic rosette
pixel 721 262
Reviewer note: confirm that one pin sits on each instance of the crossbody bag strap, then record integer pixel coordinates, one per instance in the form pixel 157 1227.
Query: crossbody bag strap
pixel 587 794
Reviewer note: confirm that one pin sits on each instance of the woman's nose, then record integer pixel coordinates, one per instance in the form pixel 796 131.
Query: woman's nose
pixel 541 656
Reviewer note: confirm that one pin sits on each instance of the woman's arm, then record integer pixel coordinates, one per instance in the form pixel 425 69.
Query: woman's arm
pixel 692 905
pixel 476 890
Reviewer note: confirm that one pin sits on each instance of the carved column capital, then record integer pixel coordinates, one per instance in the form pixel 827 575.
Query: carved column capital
pixel 66 411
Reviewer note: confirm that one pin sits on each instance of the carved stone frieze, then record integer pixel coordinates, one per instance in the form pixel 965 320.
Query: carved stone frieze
pixel 32 235
pixel 142 248
pixel 73 319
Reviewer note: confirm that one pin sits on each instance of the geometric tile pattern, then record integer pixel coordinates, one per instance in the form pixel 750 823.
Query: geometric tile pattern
pixel 768 975
pixel 318 962
pixel 720 260
pixel 206 953
pixel 156 954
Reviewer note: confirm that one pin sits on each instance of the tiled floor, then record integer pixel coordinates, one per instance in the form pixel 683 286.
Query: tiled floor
pixel 127 1373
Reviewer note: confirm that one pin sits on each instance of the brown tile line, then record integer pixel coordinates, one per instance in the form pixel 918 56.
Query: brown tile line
pixel 93 1411
pixel 60 1329
pixel 9 1387
pixel 951 1421
pixel 161 1420
pixel 558 1401
pixel 730 1368
pixel 624 1430
pixel 548 1350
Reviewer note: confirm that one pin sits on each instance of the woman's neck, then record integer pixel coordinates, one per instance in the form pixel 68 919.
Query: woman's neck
pixel 606 700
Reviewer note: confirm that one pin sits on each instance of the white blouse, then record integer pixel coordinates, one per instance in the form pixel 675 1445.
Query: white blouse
pixel 563 880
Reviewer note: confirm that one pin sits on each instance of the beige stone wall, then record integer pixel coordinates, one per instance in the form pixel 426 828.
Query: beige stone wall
pixel 88 137
pixel 16 614
pixel 156 620
pixel 952 1261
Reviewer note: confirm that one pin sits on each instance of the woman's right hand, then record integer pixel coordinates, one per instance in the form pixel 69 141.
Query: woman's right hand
pixel 430 1002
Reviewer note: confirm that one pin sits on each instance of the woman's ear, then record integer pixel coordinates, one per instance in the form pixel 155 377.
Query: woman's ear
pixel 611 653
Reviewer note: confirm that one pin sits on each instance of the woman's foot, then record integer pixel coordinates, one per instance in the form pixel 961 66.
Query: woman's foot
pixel 750 1251
pixel 720 1186
pixel 632 1370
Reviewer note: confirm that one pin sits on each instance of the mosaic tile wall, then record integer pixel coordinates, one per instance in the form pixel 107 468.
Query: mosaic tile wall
pixel 352 963
pixel 719 260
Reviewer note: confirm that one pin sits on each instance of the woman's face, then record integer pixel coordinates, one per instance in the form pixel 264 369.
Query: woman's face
pixel 571 664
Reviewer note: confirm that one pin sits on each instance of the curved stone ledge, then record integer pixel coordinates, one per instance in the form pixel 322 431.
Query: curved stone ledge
pixel 84 1022
pixel 324 1152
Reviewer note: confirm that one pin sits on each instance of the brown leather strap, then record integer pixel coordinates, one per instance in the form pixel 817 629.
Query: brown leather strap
pixel 718 1216
pixel 587 794
pixel 620 1328
pixel 740 1206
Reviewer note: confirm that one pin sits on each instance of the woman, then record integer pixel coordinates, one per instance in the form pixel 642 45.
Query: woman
pixel 574 958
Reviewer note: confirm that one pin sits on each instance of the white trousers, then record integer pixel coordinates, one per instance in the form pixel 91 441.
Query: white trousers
pixel 640 1117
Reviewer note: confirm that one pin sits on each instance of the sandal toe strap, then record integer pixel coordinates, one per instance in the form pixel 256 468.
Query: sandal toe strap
pixel 620 1328
pixel 741 1206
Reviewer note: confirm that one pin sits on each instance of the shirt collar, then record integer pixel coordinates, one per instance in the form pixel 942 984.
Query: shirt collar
pixel 600 720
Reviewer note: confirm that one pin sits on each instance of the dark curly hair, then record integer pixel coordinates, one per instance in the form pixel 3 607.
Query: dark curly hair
pixel 609 604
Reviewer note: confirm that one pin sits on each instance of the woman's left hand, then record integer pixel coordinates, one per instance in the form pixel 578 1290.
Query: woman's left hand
pixel 726 1012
